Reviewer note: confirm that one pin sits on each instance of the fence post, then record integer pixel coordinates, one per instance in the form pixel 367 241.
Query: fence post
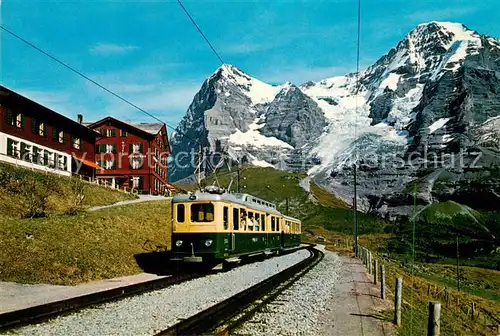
pixel 397 301
pixel 382 282
pixel 375 271
pixel 370 263
pixel 433 322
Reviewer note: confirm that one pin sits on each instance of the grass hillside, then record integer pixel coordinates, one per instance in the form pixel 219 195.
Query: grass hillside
pixel 28 194
pixel 437 229
pixel 317 208
pixel 65 249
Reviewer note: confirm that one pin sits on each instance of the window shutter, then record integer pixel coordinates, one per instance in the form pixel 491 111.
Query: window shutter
pixel 10 149
pixel 114 148
pixel 35 154
pixel 44 129
pixel 23 151
pixel 113 132
pixel 22 120
pixel 45 157
pixel 130 148
pixel 140 148
pixel 63 137
pixel 54 133
pixel 65 163
pixel 34 126
pixel 10 116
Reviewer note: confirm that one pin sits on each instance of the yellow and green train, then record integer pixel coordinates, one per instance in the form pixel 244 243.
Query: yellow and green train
pixel 213 226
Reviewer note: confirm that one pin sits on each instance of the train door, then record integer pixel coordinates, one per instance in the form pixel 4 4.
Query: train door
pixel 234 228
pixel 281 227
pixel 264 228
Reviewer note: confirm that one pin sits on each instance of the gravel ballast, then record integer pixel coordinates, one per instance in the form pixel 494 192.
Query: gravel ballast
pixel 298 310
pixel 149 313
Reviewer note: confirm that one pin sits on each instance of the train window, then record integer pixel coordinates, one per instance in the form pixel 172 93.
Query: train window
pixel 202 212
pixel 180 213
pixel 250 221
pixel 277 224
pixel 263 222
pixel 225 215
pixel 273 224
pixel 236 219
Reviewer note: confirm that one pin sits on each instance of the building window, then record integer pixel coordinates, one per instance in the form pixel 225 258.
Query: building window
pixel 111 133
pixel 12 148
pixel 38 127
pixel 135 148
pixel 136 164
pixel 36 155
pixel 51 159
pixel 123 133
pixel 57 135
pixel 61 137
pixel 62 162
pixel 77 143
pixel 110 148
pixel 25 152
pixel 110 164
pixel 15 119
pixel 42 129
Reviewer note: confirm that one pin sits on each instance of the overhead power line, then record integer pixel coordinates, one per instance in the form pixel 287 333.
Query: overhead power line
pixel 90 79
pixel 201 32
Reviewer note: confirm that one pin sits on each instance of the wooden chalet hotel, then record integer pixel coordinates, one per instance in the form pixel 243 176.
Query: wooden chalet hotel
pixel 36 137
pixel 133 156
pixel 109 151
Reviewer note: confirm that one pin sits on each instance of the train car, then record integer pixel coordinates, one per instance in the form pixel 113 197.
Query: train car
pixel 213 226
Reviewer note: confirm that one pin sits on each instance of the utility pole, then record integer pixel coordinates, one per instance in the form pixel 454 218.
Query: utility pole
pixel 199 165
pixel 238 181
pixel 458 266
pixel 355 206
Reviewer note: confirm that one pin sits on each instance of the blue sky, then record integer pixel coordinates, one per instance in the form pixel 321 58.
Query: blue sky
pixel 150 53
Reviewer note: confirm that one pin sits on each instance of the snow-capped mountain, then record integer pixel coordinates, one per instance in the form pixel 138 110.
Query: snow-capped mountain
pixel 437 92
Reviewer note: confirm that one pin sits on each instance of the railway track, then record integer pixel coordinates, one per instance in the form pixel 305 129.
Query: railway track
pixel 41 313
pixel 47 311
pixel 223 317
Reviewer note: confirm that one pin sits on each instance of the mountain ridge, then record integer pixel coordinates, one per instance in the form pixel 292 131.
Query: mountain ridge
pixel 437 91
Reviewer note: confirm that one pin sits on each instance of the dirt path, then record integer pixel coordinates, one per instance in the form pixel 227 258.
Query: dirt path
pixel 356 305
pixel 142 198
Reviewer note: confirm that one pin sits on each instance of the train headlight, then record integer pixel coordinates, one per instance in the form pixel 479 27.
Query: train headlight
pixel 178 243
pixel 208 242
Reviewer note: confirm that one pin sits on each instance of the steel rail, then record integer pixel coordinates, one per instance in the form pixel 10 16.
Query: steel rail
pixel 226 315
pixel 44 312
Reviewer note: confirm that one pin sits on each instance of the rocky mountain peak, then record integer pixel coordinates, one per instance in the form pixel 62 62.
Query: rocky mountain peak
pixel 436 92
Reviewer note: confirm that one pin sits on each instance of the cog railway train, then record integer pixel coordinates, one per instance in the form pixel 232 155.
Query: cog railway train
pixel 216 227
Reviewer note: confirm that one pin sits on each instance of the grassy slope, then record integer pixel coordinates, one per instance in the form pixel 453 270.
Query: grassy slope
pixel 317 209
pixel 63 249
pixel 60 191
pixel 477 285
